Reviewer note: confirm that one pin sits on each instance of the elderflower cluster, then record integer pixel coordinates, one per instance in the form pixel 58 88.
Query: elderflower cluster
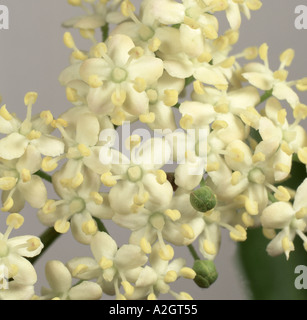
pixel 229 140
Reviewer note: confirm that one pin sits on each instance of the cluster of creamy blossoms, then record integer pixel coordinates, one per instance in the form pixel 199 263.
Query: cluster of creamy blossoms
pixel 230 143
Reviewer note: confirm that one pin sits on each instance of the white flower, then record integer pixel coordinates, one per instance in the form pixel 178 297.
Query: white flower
pixel 111 265
pixel 290 218
pixel 61 287
pixel 20 184
pixel 32 131
pixel 262 77
pixel 13 254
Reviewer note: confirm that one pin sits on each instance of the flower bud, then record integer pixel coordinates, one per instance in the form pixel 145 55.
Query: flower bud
pixel 206 273
pixel 203 199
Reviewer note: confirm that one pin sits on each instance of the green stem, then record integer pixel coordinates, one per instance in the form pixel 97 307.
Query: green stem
pixel 265 96
pixel 105 32
pixel 193 252
pixel 101 226
pixel 44 175
pixel 47 238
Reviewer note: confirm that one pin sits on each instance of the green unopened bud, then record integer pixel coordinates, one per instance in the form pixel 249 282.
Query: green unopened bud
pixel 203 199
pixel 206 273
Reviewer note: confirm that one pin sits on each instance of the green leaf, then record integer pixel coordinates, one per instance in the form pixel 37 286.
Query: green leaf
pixel 270 278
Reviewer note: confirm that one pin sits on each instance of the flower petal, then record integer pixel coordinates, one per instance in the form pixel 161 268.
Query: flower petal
pixel 13 146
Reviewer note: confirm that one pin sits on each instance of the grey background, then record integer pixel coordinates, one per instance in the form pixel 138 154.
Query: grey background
pixel 32 56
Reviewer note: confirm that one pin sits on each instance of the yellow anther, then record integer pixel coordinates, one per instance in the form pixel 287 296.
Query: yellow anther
pixel 212 166
pixel 145 245
pixel 218 5
pixel 287 57
pixel 209 247
pixel 161 176
pixel 118 118
pixel 166 253
pixel 282 167
pixel 49 207
pixel 96 197
pixel 282 116
pixel 107 179
pixel 127 8
pixel 79 55
pixel 228 63
pixel 147 118
pixel 186 121
pixel 221 108
pixel 152 296
pixel 210 32
pixel 300 111
pixel 205 57
pixel 239 234
pixel 99 50
pixel 49 164
pixel 263 52
pixel 154 44
pixel 170 97
pixel 198 87
pixel 105 263
pixel 254 4
pixel 7 183
pixel 251 207
pixel 134 208
pixel 129 289
pixel 301 214
pixel 25 175
pixel 68 40
pixel 192 23
pixel 187 273
pixel 269 233
pixel 301 84
pixel 84 150
pixel 89 227
pixel 32 135
pixel 13 270
pixel 56 298
pixel 46 116
pixel 247 220
pixel 258 157
pixel 236 155
pixel 136 52
pixel 221 43
pixel 287 246
pixel 187 231
pixel 94 81
pixel 8 204
pixel 80 268
pixel 33 244
pixel 250 53
pixel 139 84
pixel 77 180
pixel 133 141
pixel 174 215
pixel 282 194
pixel 87 33
pixel 302 155
pixel 71 95
pixel 219 124
pixel 236 177
pixel 141 199
pixel 281 75
pixel 170 276
pixel 15 220
pixel 30 98
pixel 5 114
pixel 75 3
pixel 61 226
pixel 59 122
pixel 119 97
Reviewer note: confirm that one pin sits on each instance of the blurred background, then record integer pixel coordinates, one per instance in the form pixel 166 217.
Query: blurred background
pixel 32 55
